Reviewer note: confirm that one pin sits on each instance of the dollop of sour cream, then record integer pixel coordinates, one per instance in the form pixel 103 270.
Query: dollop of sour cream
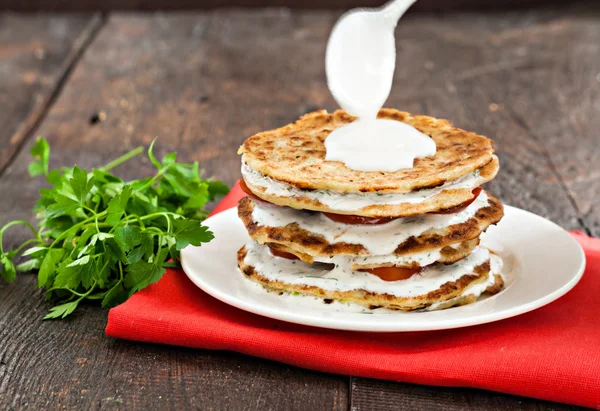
pixel 360 63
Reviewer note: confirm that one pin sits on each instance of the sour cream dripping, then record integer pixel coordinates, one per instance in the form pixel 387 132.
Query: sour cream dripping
pixel 360 63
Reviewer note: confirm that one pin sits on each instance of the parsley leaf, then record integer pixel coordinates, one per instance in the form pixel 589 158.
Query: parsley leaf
pixel 142 274
pixel 80 184
pixel 61 311
pixel 9 272
pixel 102 239
pixel 41 154
pixel 116 206
pixel 190 232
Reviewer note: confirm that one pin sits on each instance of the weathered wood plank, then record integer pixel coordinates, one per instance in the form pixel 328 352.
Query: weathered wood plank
pixel 562 112
pixel 112 5
pixel 72 365
pixel 373 395
pixel 479 71
pixel 202 83
pixel 36 54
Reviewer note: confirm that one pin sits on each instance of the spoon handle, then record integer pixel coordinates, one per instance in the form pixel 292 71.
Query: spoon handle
pixel 394 9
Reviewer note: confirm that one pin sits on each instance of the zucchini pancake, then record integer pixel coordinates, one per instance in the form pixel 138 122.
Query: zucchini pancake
pixel 403 240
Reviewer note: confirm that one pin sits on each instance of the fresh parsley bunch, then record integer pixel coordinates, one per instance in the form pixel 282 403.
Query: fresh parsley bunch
pixel 102 238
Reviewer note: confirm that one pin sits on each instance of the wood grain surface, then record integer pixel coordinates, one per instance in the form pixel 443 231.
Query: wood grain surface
pixel 112 5
pixel 375 395
pixel 36 55
pixel 202 83
pixel 73 365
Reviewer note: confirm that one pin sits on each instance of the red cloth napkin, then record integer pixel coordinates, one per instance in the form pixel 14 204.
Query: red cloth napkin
pixel 552 353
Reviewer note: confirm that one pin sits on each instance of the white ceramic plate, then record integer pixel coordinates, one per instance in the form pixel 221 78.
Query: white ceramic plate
pixel 541 260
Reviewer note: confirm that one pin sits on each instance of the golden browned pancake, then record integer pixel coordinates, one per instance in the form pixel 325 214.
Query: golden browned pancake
pixel 466 298
pixel 443 200
pixel 287 167
pixel 295 154
pixel 447 255
pixel 307 245
pixel 447 294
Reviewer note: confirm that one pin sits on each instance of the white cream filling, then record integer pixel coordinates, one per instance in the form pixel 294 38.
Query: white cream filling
pixel 353 201
pixel 378 239
pixel 423 259
pixel 476 289
pixel 342 278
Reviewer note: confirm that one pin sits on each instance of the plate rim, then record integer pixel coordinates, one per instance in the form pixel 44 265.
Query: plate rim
pixel 385 327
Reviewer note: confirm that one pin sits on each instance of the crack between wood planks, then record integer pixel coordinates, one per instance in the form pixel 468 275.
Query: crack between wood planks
pixel 521 123
pixel 350 383
pixel 80 46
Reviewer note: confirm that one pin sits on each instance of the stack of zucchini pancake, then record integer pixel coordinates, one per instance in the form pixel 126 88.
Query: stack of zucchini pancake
pixel 402 240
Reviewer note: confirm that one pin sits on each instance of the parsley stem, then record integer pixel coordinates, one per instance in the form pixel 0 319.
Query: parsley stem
pixel 77 226
pixel 105 264
pixel 81 296
pixel 26 243
pixel 168 221
pixel 89 291
pixel 68 289
pixel 123 158
pixel 137 217
pixel 148 216
pixel 18 222
pixel 89 209
pixel 153 179
pixel 96 297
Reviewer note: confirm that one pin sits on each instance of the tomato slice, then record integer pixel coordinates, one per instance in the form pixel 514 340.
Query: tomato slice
pixel 462 206
pixel 247 190
pixel 393 273
pixel 356 219
pixel 283 254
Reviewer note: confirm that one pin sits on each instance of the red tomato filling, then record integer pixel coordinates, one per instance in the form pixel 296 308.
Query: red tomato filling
pixel 356 219
pixel 393 273
pixel 464 205
pixel 247 190
pixel 385 273
pixel 283 254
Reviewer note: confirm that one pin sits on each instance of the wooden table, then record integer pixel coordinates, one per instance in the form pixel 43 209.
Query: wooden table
pixel 203 82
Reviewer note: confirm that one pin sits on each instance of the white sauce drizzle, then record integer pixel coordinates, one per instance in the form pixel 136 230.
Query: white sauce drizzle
pixel 342 278
pixel 360 63
pixel 349 202
pixel 378 239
